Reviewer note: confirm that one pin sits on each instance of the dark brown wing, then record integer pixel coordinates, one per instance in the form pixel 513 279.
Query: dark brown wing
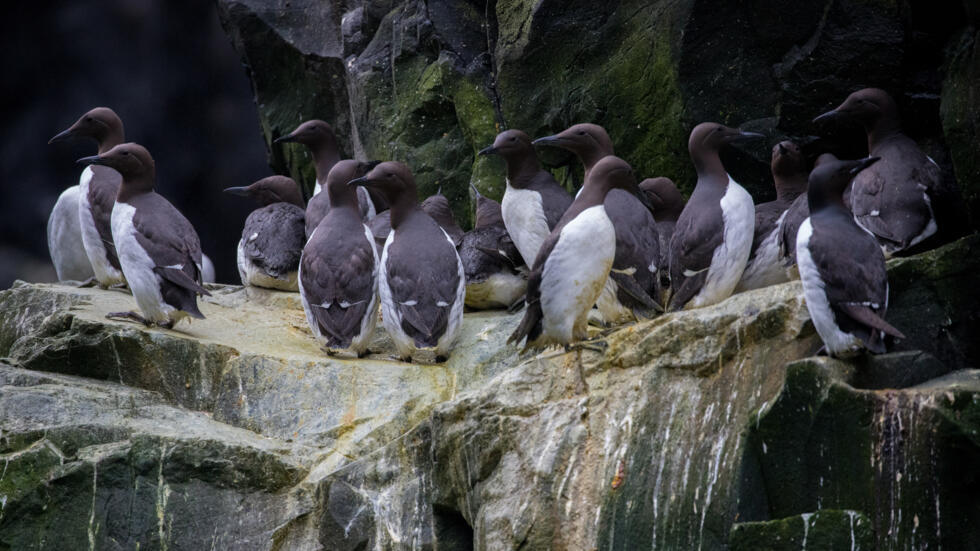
pixel 273 238
pixel 554 199
pixel 338 277
pixel 696 236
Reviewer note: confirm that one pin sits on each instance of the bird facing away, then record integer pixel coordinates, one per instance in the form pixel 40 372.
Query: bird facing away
pixel 159 251
pixel 437 206
pixel 574 263
pixel 97 189
pixel 789 226
pixel 713 236
pixel 491 263
pixel 273 236
pixel 420 281
pixel 841 266
pixel 533 201
pixel 789 174
pixel 320 139
pixel 631 289
pixel 668 203
pixel 339 270
pixel 893 197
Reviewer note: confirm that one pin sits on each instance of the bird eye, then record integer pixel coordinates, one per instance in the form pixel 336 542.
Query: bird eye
pixel 719 129
pixel 513 139
pixel 581 132
pixel 125 152
pixel 88 119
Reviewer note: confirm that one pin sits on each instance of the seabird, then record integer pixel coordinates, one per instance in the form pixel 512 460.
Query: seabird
pixel 574 263
pixel 633 288
pixel 491 262
pixel 713 236
pixel 207 269
pixel 421 281
pixel 533 201
pixel 764 267
pixel 842 267
pixel 892 199
pixel 319 138
pixel 97 189
pixel 668 203
pixel 789 226
pixel 339 269
pixel 159 250
pixel 273 236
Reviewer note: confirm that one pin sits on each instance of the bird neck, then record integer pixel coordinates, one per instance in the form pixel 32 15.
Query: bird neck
pixel 112 137
pixel 881 130
pixel 521 169
pixel 789 188
pixel 708 163
pixel 325 155
pixel 135 185
pixel 402 208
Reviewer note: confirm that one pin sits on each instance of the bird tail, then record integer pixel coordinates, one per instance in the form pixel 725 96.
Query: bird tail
pixel 530 326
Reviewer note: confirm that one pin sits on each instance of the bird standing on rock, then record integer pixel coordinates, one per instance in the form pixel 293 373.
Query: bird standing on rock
pixel 97 189
pixel 841 266
pixel 273 236
pixel 668 204
pixel 634 283
pixel 491 262
pixel 533 202
pixel 713 236
pixel 159 251
pixel 892 199
pixel 574 263
pixel 421 281
pixel 338 273
pixel 764 267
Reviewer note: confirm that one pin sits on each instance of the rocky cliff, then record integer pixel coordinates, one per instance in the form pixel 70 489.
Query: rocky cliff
pixel 431 82
pixel 707 429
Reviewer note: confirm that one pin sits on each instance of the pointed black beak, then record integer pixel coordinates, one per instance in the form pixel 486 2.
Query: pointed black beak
pixel 476 191
pixel 93 160
pixel 782 149
pixel 549 140
pixel 285 139
pixel 828 115
pixel 61 136
pixel 362 181
pixel 488 151
pixel 864 163
pixel 241 191
pixel 743 135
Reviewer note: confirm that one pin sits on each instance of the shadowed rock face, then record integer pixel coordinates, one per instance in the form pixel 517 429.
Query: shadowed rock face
pixel 702 428
pixel 432 82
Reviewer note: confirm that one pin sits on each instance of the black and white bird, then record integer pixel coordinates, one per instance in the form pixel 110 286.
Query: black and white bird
pixel 713 236
pixel 633 289
pixel 574 263
pixel 338 273
pixel 842 267
pixel 319 138
pixel 789 226
pixel 420 281
pixel 159 251
pixel 765 266
pixel 494 269
pixel 668 204
pixel 893 198
pixel 273 236
pixel 97 189
pixel 533 201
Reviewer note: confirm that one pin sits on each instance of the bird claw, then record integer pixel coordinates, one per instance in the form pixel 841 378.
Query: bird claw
pixel 133 316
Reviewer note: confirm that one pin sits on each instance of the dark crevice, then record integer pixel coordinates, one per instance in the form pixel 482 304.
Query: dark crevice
pixel 452 532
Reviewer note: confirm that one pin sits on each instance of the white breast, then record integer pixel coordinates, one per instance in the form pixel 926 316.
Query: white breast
pixel 455 321
pixel 730 258
pixel 105 273
pixel 65 239
pixel 390 316
pixel 500 290
pixel 765 268
pixel 574 274
pixel 836 341
pixel 525 221
pixel 255 276
pixel 138 267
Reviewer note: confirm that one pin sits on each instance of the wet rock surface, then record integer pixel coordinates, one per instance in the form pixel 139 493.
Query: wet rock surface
pixel 700 429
